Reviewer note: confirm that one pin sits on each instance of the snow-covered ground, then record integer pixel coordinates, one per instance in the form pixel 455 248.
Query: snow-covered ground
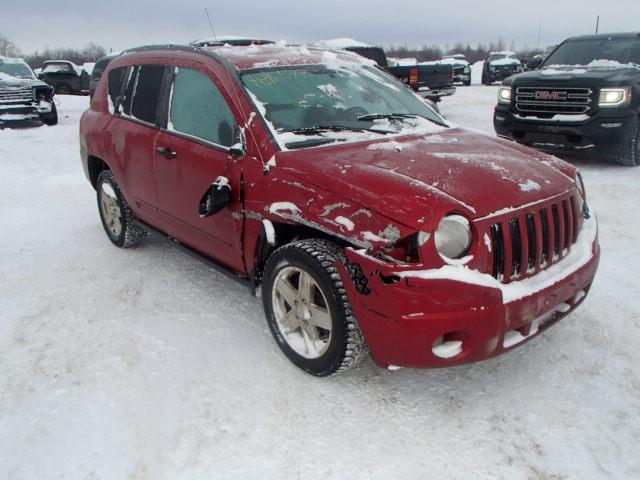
pixel 146 364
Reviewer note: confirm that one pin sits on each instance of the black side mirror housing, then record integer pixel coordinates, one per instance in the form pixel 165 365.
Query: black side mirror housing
pixel 216 198
pixel 236 150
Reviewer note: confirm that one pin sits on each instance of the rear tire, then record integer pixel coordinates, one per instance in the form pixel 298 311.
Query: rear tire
pixel 116 216
pixel 630 154
pixel 63 90
pixel 307 308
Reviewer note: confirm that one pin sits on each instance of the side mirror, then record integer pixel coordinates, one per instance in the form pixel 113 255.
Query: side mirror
pixel 236 150
pixel 216 198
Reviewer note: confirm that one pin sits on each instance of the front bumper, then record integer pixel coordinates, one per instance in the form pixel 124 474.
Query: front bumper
pixel 500 75
pixel 436 93
pixel 462 78
pixel 402 320
pixel 601 132
pixel 19 116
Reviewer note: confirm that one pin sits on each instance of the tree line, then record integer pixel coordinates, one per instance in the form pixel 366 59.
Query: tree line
pixel 89 53
pixel 474 54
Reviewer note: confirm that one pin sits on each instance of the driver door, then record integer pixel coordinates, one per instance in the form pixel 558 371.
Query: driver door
pixel 189 155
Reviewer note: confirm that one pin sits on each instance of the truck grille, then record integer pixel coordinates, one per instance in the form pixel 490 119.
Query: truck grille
pixel 524 243
pixel 16 95
pixel 552 100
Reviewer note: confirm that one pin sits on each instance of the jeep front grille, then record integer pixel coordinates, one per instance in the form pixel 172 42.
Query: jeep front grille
pixel 553 100
pixel 16 95
pixel 526 242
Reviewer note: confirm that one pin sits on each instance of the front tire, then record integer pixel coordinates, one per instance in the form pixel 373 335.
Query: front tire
pixel 50 118
pixel 307 308
pixel 116 216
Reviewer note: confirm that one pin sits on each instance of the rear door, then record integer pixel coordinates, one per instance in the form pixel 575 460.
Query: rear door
pixel 190 154
pixel 135 103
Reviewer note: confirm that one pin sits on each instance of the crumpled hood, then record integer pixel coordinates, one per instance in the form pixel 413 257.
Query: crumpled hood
pixel 412 177
pixel 16 82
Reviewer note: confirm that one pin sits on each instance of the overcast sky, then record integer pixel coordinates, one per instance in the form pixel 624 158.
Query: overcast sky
pixel 118 24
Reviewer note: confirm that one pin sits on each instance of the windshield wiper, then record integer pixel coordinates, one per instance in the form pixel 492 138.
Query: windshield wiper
pixel 333 128
pixel 387 116
pixel 397 116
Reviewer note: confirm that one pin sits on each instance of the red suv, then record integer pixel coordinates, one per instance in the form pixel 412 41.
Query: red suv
pixel 368 222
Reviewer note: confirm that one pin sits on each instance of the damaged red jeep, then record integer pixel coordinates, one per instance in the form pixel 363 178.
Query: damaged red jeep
pixel 368 222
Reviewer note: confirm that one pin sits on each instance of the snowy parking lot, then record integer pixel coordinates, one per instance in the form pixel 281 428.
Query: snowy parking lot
pixel 147 364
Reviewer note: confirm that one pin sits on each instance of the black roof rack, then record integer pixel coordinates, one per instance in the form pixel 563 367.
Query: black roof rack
pixel 186 48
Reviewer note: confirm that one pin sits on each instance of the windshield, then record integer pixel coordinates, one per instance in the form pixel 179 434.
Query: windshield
pixel 584 52
pixel 356 98
pixel 498 56
pixel 15 68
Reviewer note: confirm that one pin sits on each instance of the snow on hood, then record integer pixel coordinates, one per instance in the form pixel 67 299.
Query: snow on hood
pixel 505 61
pixel 457 170
pixel 447 61
pixel 8 80
pixel 582 69
pixel 340 43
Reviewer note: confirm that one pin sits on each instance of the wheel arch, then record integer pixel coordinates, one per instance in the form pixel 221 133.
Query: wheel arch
pixel 285 233
pixel 95 165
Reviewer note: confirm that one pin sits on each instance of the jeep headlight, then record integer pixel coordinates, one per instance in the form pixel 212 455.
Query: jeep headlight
pixel 614 97
pixel 504 94
pixel 453 237
pixel 467 70
pixel 492 68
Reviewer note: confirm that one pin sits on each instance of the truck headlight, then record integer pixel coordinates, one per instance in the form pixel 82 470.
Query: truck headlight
pixel 467 70
pixel 453 237
pixel 614 97
pixel 492 68
pixel 504 95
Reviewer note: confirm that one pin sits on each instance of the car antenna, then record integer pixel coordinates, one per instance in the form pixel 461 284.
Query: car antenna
pixel 210 23
pixel 265 167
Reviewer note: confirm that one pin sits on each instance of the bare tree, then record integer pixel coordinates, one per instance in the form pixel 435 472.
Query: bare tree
pixel 89 53
pixel 8 48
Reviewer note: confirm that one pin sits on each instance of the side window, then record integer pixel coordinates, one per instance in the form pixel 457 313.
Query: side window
pixel 115 84
pixel 199 109
pixel 146 92
pixel 130 80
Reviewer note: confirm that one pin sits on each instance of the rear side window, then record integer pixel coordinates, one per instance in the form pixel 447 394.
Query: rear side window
pixel 198 109
pixel 130 83
pixel 146 92
pixel 115 85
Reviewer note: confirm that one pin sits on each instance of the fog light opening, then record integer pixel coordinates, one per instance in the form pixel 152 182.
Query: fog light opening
pixel 448 345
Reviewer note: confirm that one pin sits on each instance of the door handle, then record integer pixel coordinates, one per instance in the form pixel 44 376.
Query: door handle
pixel 166 152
